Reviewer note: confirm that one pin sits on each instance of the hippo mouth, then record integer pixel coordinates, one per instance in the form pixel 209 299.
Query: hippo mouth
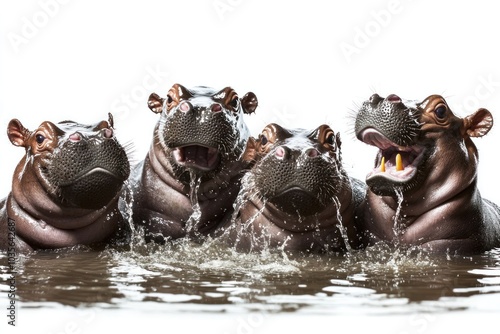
pixel 296 200
pixel 96 170
pixel 91 190
pixel 395 163
pixel 199 157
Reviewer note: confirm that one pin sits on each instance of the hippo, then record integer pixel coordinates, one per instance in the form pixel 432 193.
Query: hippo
pixel 422 192
pixel 187 183
pixel 66 188
pixel 297 196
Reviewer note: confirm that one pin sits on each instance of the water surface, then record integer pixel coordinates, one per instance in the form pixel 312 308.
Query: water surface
pixel 212 278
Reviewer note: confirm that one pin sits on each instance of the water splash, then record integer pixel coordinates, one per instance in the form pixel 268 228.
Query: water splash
pixel 192 258
pixel 341 227
pixel 386 257
pixel 241 199
pixel 135 236
pixel 396 228
pixel 194 219
pixel 245 229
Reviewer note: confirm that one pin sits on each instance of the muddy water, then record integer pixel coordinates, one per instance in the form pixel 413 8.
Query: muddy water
pixel 213 278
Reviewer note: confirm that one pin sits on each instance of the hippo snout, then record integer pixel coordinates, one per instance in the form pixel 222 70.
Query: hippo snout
pixel 106 133
pixel 285 153
pixel 390 117
pixel 296 185
pixel 88 169
pixel 201 129
pixel 300 172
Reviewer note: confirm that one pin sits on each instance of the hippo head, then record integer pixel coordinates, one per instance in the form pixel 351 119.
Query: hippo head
pixel 78 165
pixel 417 141
pixel 201 129
pixel 297 171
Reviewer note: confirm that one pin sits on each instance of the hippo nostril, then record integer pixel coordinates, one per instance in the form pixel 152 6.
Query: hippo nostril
pixel 184 106
pixel 312 152
pixel 216 107
pixel 108 133
pixel 280 153
pixel 375 98
pixel 393 98
pixel 75 137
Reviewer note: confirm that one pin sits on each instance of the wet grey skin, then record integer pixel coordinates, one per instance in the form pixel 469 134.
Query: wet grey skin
pixel 423 186
pixel 186 185
pixel 297 196
pixel 65 189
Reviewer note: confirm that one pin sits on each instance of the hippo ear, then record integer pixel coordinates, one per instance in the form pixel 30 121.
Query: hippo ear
pixel 250 150
pixel 18 134
pixel 339 144
pixel 338 141
pixel 478 124
pixel 249 103
pixel 110 120
pixel 155 103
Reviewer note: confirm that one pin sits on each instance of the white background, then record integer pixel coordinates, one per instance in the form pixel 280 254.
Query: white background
pixel 79 60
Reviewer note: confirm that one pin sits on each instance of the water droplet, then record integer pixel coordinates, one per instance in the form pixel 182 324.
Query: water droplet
pixel 341 227
pixel 396 228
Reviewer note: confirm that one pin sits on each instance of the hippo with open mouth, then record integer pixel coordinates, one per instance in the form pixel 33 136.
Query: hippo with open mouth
pixel 66 188
pixel 297 196
pixel 191 175
pixel 423 188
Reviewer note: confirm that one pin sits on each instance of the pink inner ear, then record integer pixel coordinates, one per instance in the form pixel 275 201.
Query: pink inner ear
pixel 16 138
pixel 479 123
pixel 17 133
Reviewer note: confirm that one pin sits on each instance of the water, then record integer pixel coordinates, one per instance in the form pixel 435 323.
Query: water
pixel 214 278
pixel 397 217
pixel 340 226
pixel 194 186
pixel 203 285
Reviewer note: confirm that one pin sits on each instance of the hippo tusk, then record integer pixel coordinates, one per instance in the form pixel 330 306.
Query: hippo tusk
pixel 399 162
pixel 382 165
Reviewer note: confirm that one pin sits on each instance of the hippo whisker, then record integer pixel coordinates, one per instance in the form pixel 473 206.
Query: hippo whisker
pixel 351 120
pixel 130 150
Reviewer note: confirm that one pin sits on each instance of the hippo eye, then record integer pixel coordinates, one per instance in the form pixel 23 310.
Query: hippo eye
pixel 39 138
pixel 440 111
pixel 169 99
pixel 330 138
pixel 263 140
pixel 234 102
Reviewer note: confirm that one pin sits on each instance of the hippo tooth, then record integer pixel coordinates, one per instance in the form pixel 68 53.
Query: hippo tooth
pixel 382 165
pixel 399 162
